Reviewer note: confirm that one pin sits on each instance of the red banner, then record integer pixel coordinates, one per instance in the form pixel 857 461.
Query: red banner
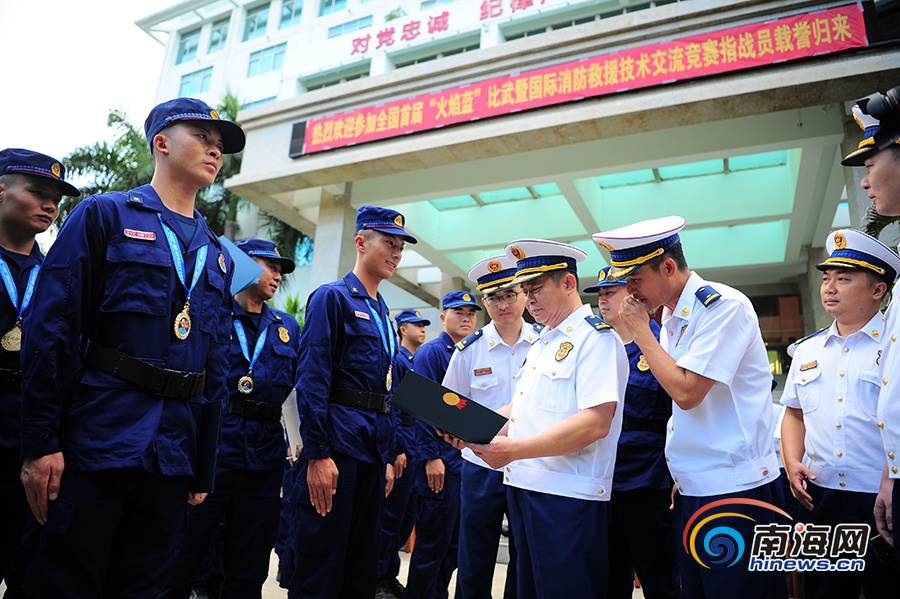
pixel 735 49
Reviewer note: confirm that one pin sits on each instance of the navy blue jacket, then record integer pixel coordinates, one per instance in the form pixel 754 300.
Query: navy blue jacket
pixel 431 360
pixel 11 403
pixel 253 444
pixel 405 438
pixel 640 457
pixel 110 278
pixel 341 348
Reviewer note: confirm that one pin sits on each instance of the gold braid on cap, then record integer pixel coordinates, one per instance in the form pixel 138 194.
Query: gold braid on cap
pixel 495 283
pixel 640 260
pixel 544 268
pixel 857 263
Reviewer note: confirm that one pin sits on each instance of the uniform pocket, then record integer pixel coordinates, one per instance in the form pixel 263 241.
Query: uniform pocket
pixel 807 384
pixel 137 279
pixel 869 387
pixel 362 346
pixel 556 398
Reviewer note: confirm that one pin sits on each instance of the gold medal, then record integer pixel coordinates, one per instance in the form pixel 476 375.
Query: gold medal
pixel 183 322
pixel 245 384
pixel 389 379
pixel 12 339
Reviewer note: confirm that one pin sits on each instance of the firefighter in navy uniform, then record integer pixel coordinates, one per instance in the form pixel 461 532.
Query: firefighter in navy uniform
pixel 250 466
pixel 641 482
pixel 346 351
pixel 126 337
pixel 399 514
pixel 31 187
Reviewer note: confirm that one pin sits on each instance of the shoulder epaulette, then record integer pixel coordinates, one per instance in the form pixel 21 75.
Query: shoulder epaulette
pixel 538 327
pixel 793 346
pixel 598 323
pixel 466 341
pixel 707 295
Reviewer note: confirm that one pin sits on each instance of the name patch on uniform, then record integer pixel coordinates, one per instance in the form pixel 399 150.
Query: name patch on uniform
pixel 481 371
pixel 809 365
pixel 564 350
pixel 362 315
pixel 142 235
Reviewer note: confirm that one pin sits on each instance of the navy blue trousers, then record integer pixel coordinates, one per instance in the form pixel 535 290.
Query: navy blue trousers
pixel 112 533
pixel 14 510
pixel 877 581
pixel 735 581
pixel 396 525
pixel 337 555
pixel 561 545
pixel 642 540
pixel 437 538
pixel 482 506
pixel 248 502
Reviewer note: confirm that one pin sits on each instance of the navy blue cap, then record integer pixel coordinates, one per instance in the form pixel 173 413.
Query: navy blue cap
pixel 458 299
pixel 190 109
pixel 383 220
pixel 603 281
pixel 26 162
pixel 260 248
pixel 413 316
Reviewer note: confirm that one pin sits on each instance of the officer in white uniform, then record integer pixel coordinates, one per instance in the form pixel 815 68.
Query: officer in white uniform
pixel 712 361
pixel 483 368
pixel 830 398
pixel 882 185
pixel 559 448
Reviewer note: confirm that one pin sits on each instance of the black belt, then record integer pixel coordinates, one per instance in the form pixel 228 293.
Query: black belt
pixel 162 381
pixel 10 380
pixel 361 399
pixel 255 410
pixel 642 424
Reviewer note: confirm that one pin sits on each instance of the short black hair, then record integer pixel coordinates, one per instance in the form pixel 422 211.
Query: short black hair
pixel 675 253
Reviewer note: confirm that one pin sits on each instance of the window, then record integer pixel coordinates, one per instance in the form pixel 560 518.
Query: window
pixel 429 57
pixel 257 18
pixel 290 13
pixel 266 60
pixel 350 26
pixel 335 81
pixel 195 83
pixel 260 102
pixel 187 47
pixel 330 6
pixel 430 3
pixel 219 35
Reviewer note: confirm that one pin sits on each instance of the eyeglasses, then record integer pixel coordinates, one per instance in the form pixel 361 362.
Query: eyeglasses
pixel 507 298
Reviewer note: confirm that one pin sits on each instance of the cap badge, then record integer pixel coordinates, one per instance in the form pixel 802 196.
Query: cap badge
pixel 283 334
pixel 517 252
pixel 563 351
pixel 418 314
pixel 399 220
pixel 840 242
pixel 467 297
pixel 452 399
pixel 214 114
pixel 602 276
pixel 56 169
pixel 494 266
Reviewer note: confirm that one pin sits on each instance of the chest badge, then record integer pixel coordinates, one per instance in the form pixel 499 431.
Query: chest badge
pixel 642 364
pixel 222 263
pixel 283 335
pixel 563 351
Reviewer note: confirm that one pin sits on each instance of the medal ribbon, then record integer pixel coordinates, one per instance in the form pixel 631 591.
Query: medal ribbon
pixel 175 250
pixel 10 285
pixel 242 339
pixel 387 341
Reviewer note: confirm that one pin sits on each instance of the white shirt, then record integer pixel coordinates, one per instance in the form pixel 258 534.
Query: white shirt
pixel 726 443
pixel 835 381
pixel 888 411
pixel 485 370
pixel 570 368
